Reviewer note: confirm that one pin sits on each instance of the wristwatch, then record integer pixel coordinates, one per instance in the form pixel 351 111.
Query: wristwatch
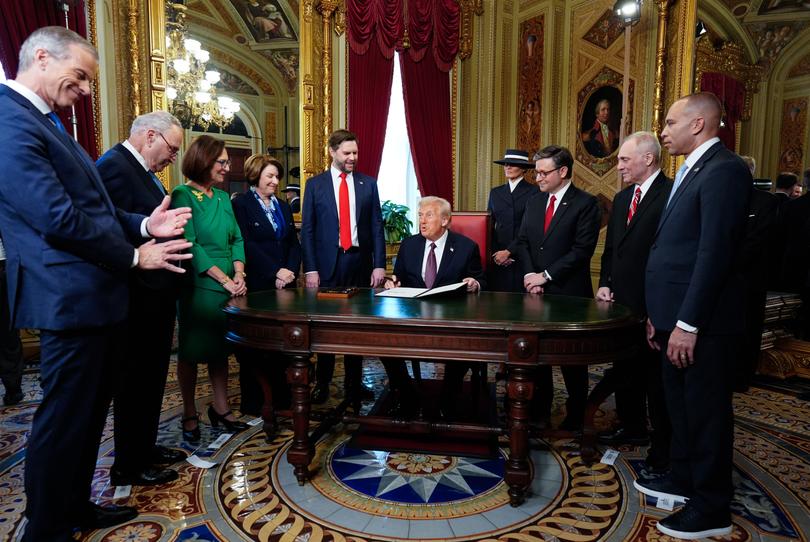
pixel 546 276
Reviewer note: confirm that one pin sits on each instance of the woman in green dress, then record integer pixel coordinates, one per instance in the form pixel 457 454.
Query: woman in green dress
pixel 217 273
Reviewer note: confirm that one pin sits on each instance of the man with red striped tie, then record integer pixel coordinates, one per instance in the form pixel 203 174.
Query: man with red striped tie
pixel 631 228
pixel 555 244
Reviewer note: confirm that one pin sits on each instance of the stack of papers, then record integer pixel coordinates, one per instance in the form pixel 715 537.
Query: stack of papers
pixel 422 292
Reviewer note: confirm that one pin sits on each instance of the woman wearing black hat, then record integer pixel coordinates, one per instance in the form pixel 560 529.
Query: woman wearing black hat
pixel 506 203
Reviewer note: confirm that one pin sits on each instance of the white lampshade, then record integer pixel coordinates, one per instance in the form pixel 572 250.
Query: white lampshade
pixel 171 93
pixel 181 65
pixel 202 55
pixel 212 76
pixel 202 97
pixel 192 46
pixel 204 85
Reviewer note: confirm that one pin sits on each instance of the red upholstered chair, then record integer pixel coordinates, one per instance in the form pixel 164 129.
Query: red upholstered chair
pixel 476 225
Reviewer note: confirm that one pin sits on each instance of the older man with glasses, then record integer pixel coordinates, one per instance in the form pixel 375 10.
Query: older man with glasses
pixel 129 172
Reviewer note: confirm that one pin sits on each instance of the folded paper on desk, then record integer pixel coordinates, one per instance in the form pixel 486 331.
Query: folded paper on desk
pixel 422 292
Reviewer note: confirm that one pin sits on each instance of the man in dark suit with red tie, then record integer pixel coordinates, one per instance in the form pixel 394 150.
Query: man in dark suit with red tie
pixel 633 221
pixel 342 242
pixel 696 306
pixel 436 256
pixel 128 171
pixel 556 242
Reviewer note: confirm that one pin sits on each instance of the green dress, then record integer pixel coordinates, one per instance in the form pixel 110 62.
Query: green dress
pixel 216 241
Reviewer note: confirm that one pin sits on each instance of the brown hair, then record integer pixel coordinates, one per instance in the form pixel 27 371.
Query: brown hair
pixel 200 157
pixel 559 155
pixel 256 164
pixel 340 136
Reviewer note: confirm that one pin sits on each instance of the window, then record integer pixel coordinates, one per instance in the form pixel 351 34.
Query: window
pixel 397 178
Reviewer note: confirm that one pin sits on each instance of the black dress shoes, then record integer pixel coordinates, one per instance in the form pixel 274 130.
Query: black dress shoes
pixel 216 418
pixel 623 435
pixel 146 477
pixel 99 517
pixel 161 455
pixel 320 394
pixel 12 397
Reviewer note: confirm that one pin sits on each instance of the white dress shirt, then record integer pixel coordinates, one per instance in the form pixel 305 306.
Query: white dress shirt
pixel 645 187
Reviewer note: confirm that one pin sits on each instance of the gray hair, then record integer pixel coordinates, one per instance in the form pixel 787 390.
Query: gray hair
pixel 751 162
pixel 647 142
pixel 444 205
pixel 161 121
pixel 599 105
pixel 54 39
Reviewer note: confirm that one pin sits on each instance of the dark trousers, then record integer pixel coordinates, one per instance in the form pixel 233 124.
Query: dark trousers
pixel 751 344
pixel 274 367
pixel 63 445
pixel 141 376
pixel 576 383
pixel 700 409
pixel 11 358
pixel 349 271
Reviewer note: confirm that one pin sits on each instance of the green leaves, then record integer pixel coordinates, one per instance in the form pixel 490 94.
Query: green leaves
pixel 396 223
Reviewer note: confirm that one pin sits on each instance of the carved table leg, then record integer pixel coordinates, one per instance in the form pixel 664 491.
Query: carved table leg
pixel 520 388
pixel 300 453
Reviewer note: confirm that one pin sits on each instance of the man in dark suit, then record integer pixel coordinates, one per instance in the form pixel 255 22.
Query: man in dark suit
pixel 555 244
pixel 434 257
pixel 633 221
pixel 293 194
pixel 128 171
pixel 696 311
pixel 794 222
pixel 68 257
pixel 343 243
pixel 506 204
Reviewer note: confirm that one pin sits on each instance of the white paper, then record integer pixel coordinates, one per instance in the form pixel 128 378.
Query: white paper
pixel 222 439
pixel 410 293
pixel 199 462
pixel 665 503
pixel 122 492
pixel 609 456
pixel 255 422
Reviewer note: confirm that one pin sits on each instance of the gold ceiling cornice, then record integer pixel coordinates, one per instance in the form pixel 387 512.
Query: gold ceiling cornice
pixel 225 59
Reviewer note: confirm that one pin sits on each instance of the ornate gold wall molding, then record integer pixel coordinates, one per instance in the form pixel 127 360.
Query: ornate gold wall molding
pixel 225 59
pixel 92 34
pixel 728 58
pixel 468 9
pixel 134 60
pixel 662 7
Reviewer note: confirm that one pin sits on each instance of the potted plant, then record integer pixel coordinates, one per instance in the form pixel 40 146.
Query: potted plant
pixel 396 223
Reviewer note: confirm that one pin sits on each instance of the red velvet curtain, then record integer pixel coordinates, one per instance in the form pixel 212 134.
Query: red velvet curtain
pixel 20 18
pixel 732 95
pixel 433 25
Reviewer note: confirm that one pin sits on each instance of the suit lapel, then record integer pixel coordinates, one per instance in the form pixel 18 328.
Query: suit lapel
pixel 140 173
pixel 570 194
pixel 331 199
pixel 655 191
pixel 693 172
pixel 447 257
pixel 360 188
pixel 418 259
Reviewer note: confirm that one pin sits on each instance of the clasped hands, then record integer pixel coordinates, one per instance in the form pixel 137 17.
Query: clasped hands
pixel 533 282
pixel 284 277
pixel 503 258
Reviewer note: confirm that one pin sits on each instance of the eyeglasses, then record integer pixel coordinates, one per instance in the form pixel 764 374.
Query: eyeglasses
pixel 172 149
pixel 543 174
pixel 223 163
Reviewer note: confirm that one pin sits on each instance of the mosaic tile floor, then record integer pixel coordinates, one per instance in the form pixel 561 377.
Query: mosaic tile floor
pixel 367 495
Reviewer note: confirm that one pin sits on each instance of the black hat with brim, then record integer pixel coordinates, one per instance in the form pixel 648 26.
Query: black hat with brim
pixel 515 157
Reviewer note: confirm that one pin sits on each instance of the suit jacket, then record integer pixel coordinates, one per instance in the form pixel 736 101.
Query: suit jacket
pixel 565 250
pixel 690 272
pixel 320 228
pixel 507 213
pixel 755 263
pixel 794 225
pixel 627 245
pixel 67 251
pixel 460 259
pixel 265 252
pixel 132 189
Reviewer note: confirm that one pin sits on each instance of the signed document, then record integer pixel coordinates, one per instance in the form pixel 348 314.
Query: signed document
pixel 422 292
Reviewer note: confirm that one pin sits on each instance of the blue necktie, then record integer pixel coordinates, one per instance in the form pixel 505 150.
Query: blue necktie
pixel 678 179
pixel 57 122
pixel 157 182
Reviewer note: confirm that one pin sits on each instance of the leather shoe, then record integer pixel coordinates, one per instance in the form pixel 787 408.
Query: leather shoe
pixel 689 523
pixel 623 435
pixel 161 455
pixel 12 397
pixel 100 517
pixel 660 488
pixel 146 477
pixel 320 395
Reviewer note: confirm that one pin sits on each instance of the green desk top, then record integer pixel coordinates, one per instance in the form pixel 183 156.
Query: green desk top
pixel 473 310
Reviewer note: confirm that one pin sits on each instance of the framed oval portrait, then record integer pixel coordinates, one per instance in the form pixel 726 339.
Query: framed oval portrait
pixel 599 121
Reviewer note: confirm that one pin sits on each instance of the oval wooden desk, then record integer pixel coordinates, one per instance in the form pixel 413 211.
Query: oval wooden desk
pixel 523 331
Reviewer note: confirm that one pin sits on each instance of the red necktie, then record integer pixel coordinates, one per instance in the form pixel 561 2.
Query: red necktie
pixel 345 214
pixel 549 213
pixel 634 205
